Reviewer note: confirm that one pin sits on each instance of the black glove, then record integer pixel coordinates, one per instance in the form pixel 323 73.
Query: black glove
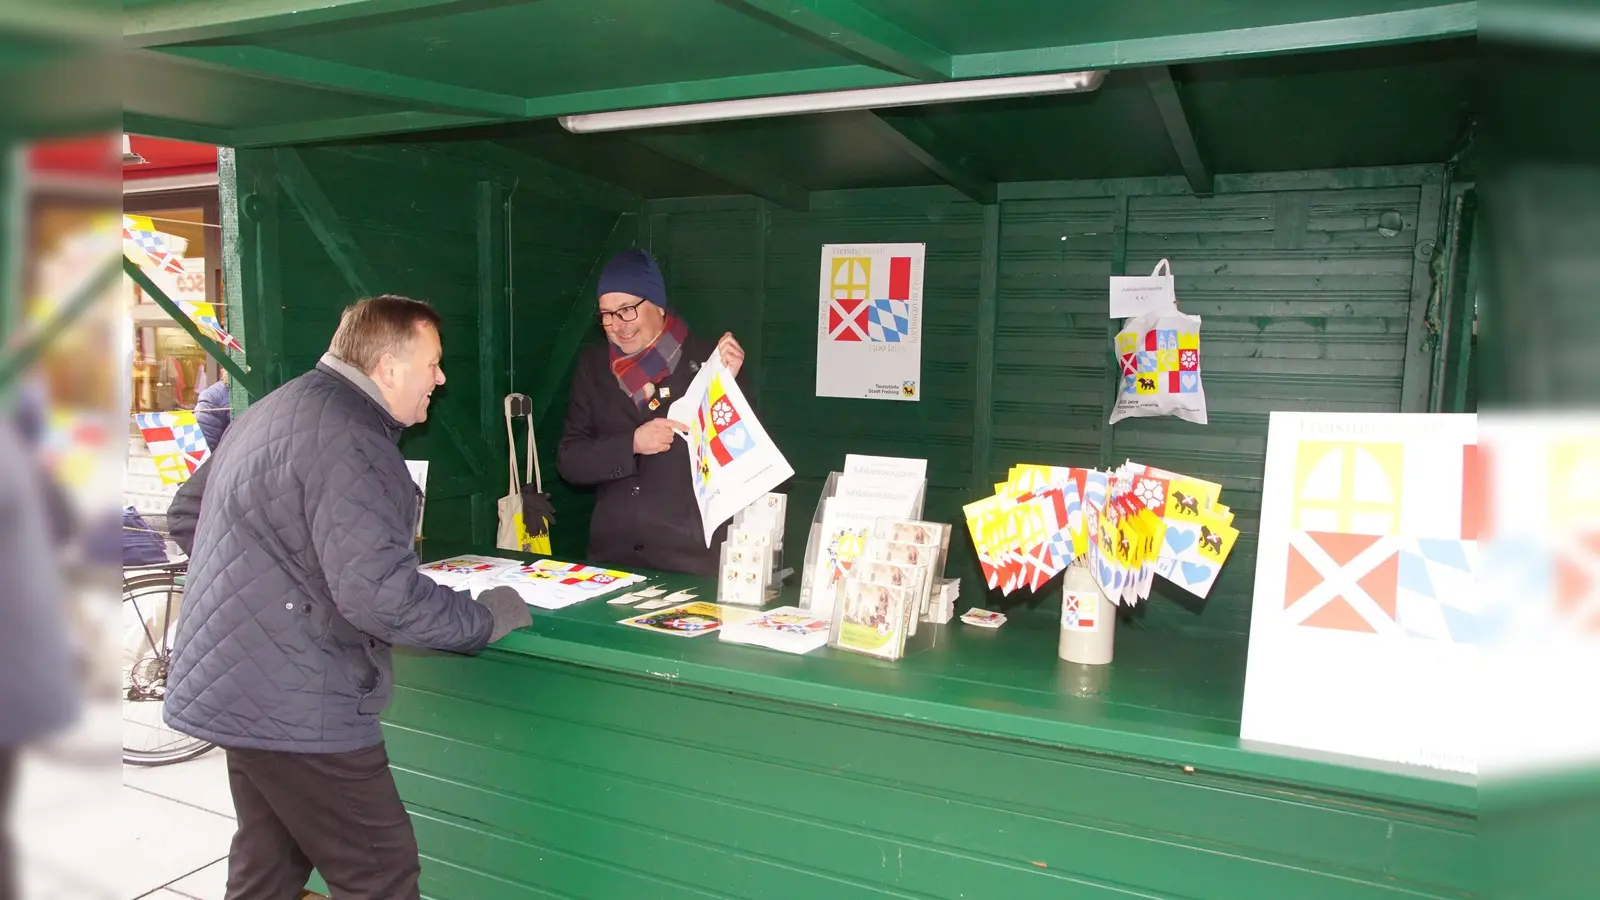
pixel 537 512
pixel 510 611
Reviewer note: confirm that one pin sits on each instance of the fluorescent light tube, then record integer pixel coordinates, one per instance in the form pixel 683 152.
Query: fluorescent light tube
pixel 833 101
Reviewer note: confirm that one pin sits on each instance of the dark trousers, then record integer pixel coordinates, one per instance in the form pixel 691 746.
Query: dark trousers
pixel 339 812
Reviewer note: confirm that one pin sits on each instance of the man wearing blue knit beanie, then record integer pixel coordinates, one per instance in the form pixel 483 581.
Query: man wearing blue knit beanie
pixel 617 437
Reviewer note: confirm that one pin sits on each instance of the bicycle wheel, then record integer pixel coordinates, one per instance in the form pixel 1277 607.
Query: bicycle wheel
pixel 150 602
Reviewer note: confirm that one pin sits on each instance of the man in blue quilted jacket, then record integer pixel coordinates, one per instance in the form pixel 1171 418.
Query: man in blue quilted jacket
pixel 302 574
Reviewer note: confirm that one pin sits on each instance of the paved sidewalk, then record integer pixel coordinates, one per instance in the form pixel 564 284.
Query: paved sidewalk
pixel 89 827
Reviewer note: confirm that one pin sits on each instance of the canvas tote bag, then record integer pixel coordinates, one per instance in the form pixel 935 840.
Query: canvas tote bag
pixel 1158 350
pixel 514 533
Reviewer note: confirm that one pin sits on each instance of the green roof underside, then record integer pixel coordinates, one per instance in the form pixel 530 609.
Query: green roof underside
pixel 1195 89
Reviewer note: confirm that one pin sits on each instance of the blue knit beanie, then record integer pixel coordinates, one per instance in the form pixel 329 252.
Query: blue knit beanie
pixel 634 272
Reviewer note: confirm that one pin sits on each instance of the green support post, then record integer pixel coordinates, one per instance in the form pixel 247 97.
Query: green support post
pixel 1119 266
pixel 15 362
pixel 211 347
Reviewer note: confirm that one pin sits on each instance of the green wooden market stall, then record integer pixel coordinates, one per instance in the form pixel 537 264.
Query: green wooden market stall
pixel 1267 149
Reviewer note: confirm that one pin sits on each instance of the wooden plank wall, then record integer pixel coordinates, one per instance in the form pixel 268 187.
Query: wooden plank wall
pixel 1306 306
pixel 503 277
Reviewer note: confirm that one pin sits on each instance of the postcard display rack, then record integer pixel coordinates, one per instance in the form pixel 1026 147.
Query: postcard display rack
pixel 873 567
pixel 752 556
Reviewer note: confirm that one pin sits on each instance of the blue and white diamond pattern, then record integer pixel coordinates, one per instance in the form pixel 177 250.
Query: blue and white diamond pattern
pixel 150 242
pixel 888 321
pixel 1438 592
pixel 1061 548
pixel 190 439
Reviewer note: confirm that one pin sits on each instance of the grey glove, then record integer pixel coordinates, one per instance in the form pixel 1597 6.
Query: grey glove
pixel 510 611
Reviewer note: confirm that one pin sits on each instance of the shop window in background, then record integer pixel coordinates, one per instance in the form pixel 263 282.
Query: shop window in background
pixel 170 371
pixel 170 368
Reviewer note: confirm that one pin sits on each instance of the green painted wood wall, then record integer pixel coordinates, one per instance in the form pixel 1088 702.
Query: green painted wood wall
pixel 502 264
pixel 531 778
pixel 1305 304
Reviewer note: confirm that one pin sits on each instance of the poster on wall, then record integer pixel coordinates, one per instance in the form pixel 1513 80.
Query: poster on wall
pixel 1365 625
pixel 869 322
pixel 732 460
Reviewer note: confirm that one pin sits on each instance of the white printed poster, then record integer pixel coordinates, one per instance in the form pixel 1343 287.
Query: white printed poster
pixel 732 461
pixel 869 322
pixel 1365 626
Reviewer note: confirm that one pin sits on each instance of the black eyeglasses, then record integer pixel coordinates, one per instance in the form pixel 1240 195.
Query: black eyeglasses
pixel 623 314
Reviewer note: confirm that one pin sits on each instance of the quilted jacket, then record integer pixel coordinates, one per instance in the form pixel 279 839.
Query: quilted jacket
pixel 212 413
pixel 302 574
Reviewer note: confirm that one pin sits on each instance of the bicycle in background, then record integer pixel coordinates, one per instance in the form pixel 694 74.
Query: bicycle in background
pixel 152 593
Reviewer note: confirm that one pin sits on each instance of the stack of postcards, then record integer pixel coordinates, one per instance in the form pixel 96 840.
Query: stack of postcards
pixel 889 588
pixel 942 605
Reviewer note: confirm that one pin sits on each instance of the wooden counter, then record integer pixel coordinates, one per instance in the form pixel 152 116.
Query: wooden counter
pixel 582 758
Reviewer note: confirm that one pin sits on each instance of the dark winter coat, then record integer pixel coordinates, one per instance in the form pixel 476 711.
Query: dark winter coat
pixel 302 574
pixel 645 512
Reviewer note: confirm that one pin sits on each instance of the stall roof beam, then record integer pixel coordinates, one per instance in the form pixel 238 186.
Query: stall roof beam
pixel 765 84
pixel 1456 20
pixel 157 126
pixel 542 176
pixel 1170 104
pixel 698 152
pixel 846 28
pixel 214 20
pixel 290 68
pixel 353 127
pixel 916 140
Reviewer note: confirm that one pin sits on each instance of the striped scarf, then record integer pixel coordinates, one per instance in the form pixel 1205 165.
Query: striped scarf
pixel 652 364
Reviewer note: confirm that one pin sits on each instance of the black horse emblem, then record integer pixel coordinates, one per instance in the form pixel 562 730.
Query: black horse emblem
pixel 1210 540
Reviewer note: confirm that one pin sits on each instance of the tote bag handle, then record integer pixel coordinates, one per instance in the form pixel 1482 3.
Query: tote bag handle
pixel 520 405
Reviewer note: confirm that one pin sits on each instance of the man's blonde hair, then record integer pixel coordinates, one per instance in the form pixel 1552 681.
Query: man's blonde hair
pixel 371 327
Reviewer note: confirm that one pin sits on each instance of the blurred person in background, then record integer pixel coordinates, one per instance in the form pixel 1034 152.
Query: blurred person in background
pixel 43 698
pixel 303 572
pixel 213 412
